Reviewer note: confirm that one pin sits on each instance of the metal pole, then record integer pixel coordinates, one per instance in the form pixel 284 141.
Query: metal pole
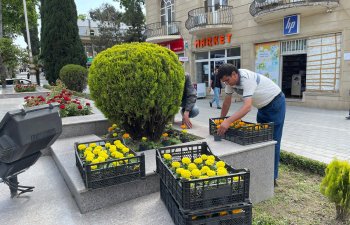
pixel 31 66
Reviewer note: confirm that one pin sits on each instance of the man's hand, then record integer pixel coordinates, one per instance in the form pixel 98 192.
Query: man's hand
pixel 186 119
pixel 223 127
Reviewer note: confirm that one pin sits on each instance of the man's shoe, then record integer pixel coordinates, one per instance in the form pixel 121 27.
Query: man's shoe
pixel 211 104
pixel 275 183
pixel 219 107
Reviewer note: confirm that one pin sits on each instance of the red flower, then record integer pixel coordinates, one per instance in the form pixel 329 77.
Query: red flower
pixel 26 97
pixel 80 107
pixel 62 106
pixel 59 101
pixel 88 104
pixel 66 98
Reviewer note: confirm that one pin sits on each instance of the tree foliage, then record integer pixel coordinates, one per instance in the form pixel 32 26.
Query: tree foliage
pixel 109 20
pixel 336 186
pixel 74 77
pixel 60 41
pixel 137 85
pixel 10 54
pixel 134 18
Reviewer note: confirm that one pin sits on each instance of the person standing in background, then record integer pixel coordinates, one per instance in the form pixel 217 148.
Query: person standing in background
pixel 216 86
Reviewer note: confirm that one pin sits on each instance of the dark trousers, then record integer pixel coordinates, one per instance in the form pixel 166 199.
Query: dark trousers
pixel 274 112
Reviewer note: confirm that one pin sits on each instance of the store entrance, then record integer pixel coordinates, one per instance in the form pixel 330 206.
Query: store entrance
pixel 294 75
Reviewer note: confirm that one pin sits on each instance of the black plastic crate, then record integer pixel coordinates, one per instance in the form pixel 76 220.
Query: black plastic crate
pixel 202 193
pixel 130 168
pixel 237 214
pixel 250 134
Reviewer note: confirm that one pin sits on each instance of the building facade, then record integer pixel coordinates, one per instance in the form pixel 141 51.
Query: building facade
pixel 302 45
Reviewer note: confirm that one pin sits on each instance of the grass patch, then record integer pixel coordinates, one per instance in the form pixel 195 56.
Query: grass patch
pixel 297 200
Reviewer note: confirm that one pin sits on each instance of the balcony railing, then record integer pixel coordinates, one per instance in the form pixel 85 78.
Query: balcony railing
pixel 162 29
pixel 258 6
pixel 216 15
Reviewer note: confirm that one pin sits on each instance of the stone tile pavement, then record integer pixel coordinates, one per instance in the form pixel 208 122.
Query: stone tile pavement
pixel 319 134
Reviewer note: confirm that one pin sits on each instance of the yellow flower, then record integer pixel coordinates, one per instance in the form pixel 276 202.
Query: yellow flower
pixel 198 161
pixel 125 150
pixel 99 147
pixel 204 157
pixel 236 178
pixel 167 156
pixel 86 153
pixel 221 171
pixel 81 147
pixel 175 164
pixel 196 173
pixel 93 167
pixel 130 155
pixel 220 164
pixel 101 159
pixel 95 161
pixel 126 136
pixel 114 125
pixel 88 149
pixel 118 155
pixel 183 126
pixel 112 148
pixel 144 139
pixel 192 166
pixel 108 145
pixel 209 162
pixel 89 158
pixel 205 169
pixel 115 134
pixel 92 145
pixel 211 173
pixel 211 157
pixel 96 151
pixel 203 177
pixel 115 164
pixel 116 142
pixel 179 170
pixel 186 160
pixel 186 174
pixel 165 134
pixel 184 131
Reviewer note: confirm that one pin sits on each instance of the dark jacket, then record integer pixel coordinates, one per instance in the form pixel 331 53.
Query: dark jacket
pixel 215 82
pixel 189 96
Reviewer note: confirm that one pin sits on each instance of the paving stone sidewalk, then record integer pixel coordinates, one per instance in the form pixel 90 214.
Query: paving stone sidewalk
pixel 314 133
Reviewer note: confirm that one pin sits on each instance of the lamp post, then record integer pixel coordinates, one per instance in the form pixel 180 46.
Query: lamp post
pixel 31 66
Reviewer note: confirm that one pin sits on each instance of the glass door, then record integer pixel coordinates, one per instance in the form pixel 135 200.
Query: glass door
pixel 214 7
pixel 167 16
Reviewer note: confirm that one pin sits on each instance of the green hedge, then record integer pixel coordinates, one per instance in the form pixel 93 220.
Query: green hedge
pixel 300 162
pixel 74 77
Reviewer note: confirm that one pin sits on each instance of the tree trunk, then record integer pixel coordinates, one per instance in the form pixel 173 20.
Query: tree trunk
pixel 342 213
pixel 2 66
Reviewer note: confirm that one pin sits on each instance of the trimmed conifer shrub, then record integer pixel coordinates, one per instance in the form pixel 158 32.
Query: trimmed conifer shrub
pixel 138 86
pixel 74 77
pixel 60 42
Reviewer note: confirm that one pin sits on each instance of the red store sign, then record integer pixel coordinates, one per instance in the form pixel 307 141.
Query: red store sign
pixel 212 41
pixel 175 46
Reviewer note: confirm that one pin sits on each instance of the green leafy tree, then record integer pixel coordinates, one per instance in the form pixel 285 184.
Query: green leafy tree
pixel 139 86
pixel 336 186
pixel 109 20
pixel 10 57
pixel 134 18
pixel 60 42
pixel 74 77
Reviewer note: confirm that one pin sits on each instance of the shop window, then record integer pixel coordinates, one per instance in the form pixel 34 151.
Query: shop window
pixel 217 54
pixel 202 55
pixel 233 52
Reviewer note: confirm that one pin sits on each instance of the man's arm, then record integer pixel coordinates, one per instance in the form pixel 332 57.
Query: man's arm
pixel 226 105
pixel 247 106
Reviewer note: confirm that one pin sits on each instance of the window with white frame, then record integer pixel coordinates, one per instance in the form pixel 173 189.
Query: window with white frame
pixel 167 12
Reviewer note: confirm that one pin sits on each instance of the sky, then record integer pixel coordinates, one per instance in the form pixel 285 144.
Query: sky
pixel 83 7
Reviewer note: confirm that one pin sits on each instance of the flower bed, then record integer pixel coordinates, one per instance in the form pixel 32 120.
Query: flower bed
pixel 69 106
pixel 108 162
pixel 243 133
pixel 25 87
pixel 169 137
pixel 197 179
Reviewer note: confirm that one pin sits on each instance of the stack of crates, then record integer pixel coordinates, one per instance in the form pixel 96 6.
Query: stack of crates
pixel 207 201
